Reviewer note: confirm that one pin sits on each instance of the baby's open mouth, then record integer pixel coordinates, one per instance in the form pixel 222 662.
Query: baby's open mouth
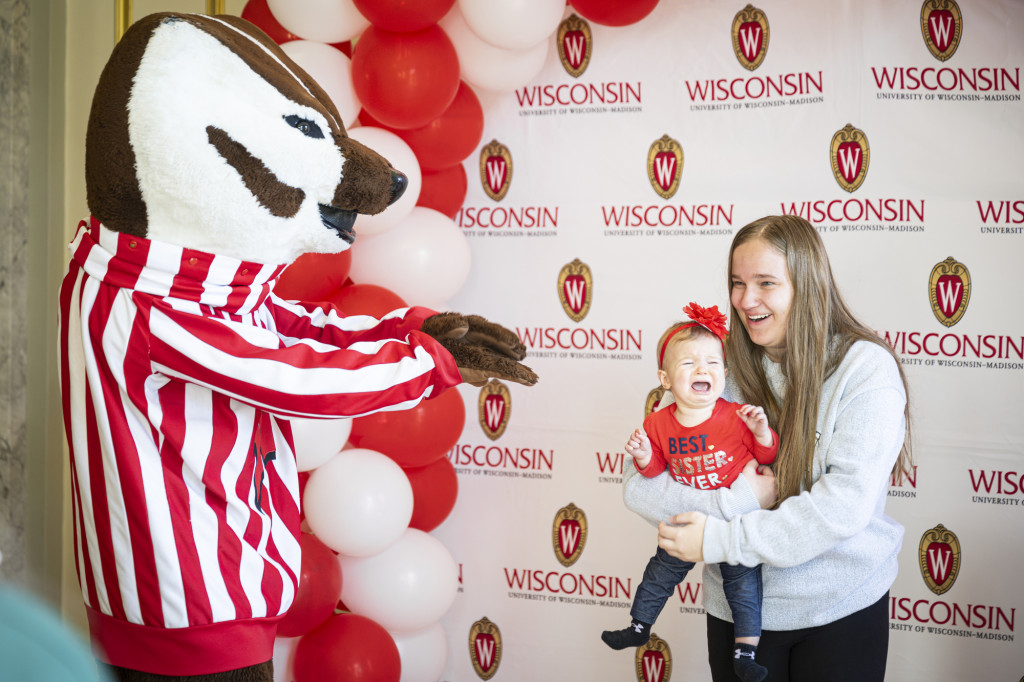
pixel 701 386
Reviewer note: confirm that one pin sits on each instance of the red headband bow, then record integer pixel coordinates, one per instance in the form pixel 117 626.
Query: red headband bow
pixel 711 319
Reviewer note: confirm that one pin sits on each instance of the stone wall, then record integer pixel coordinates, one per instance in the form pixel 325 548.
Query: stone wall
pixel 14 179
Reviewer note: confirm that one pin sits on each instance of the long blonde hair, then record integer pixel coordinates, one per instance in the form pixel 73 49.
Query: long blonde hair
pixel 819 332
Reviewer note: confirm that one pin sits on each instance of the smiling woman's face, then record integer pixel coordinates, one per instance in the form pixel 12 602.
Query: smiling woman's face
pixel 762 293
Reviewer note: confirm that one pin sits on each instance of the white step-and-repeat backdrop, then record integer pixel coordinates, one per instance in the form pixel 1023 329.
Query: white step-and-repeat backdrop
pixel 604 198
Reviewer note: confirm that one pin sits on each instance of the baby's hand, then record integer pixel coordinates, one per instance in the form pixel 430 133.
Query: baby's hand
pixel 754 417
pixel 639 446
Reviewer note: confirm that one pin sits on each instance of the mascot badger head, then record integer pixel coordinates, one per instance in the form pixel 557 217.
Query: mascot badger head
pixel 204 134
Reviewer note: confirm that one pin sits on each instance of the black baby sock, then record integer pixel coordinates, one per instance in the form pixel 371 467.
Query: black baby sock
pixel 743 663
pixel 636 634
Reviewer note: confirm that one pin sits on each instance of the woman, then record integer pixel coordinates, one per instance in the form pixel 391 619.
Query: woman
pixel 837 396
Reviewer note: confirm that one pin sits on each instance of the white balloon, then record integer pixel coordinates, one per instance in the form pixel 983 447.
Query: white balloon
pixel 424 653
pixel 424 259
pixel 325 21
pixel 332 70
pixel 436 306
pixel 402 158
pixel 512 24
pixel 359 502
pixel 486 66
pixel 317 440
pixel 284 658
pixel 407 587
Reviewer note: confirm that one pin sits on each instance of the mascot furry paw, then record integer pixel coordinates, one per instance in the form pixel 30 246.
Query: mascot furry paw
pixel 213 161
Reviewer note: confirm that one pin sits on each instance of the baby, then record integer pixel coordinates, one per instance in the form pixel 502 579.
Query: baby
pixel 704 442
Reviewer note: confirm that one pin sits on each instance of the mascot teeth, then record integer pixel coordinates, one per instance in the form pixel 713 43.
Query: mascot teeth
pixel 340 221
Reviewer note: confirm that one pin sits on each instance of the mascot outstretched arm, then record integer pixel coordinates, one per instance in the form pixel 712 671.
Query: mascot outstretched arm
pixel 212 162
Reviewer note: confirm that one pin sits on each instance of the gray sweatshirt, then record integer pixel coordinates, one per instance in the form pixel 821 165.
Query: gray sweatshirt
pixel 830 551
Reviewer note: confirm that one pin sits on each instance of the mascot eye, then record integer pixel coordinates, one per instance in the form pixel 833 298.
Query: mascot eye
pixel 304 126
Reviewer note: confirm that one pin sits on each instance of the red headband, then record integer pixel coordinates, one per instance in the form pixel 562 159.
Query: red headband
pixel 710 318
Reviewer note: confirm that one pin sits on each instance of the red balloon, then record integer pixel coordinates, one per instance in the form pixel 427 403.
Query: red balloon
pixel 450 137
pixel 414 437
pixel 345 47
pixel 319 587
pixel 434 489
pixel 614 12
pixel 314 277
pixel 365 119
pixel 347 647
pixel 405 80
pixel 444 190
pixel 366 299
pixel 403 16
pixel 446 140
pixel 258 13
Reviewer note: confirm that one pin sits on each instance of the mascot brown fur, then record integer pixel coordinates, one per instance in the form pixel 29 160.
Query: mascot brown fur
pixel 212 162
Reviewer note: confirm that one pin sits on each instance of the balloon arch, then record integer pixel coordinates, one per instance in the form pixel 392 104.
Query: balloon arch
pixel 404 76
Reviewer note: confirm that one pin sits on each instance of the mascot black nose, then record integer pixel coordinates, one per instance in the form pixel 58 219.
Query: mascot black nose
pixel 399 183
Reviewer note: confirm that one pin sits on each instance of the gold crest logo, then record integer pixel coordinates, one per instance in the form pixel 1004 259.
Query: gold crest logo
pixel 939 555
pixel 949 289
pixel 575 289
pixel 941 26
pixel 750 37
pixel 496 169
pixel 569 534
pixel 654 661
pixel 575 43
pixel 653 398
pixel 485 648
pixel 494 408
pixel 849 154
pixel 665 166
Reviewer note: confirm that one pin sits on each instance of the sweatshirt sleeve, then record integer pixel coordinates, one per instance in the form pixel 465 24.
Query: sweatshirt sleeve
pixel 765 454
pixel 860 440
pixel 305 362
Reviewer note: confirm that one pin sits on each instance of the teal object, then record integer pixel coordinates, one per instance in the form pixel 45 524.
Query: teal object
pixel 36 646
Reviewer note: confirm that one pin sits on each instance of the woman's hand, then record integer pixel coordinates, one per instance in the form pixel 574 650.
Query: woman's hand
pixel 762 480
pixel 684 539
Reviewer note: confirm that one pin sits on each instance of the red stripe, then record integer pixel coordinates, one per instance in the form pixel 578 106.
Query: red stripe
pixel 286 512
pixel 266 394
pixel 285 403
pixel 316 325
pixel 240 293
pixel 229 548
pixel 101 512
pixel 197 601
pixel 273 585
pixel 67 290
pixel 85 569
pixel 244 490
pixel 192 272
pixel 132 254
pixel 129 467
pixel 86 580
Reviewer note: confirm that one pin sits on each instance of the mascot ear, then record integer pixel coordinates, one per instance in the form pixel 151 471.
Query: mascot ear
pixel 482 350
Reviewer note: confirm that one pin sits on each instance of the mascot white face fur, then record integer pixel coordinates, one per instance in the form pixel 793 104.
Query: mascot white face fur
pixel 204 134
pixel 213 161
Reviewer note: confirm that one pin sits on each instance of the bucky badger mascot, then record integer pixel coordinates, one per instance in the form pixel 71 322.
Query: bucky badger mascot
pixel 212 162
